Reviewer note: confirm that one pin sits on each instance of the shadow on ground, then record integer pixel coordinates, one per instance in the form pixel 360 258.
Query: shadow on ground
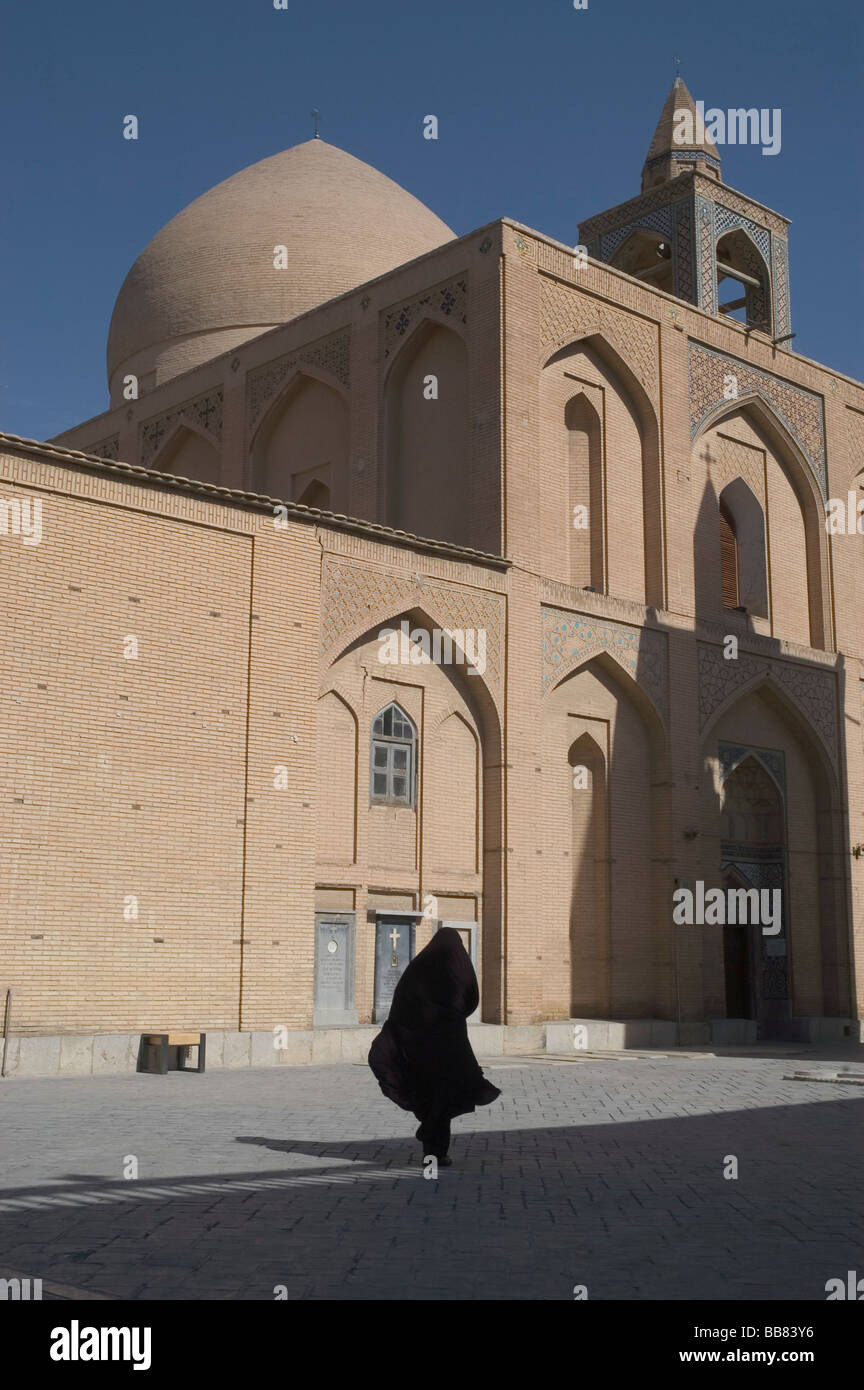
pixel 633 1210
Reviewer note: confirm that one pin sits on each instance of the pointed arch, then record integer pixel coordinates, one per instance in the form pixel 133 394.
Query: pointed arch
pixel 393 757
pixel 614 664
pixel 304 437
pixel 766 684
pixel 646 254
pixel 764 413
pixel 417 333
pixel 449 712
pixel 746 522
pixel 813 840
pixel 315 494
pixel 752 803
pixel 587 545
pixel 474 689
pixel 426 432
pixel 758 754
pixel 474 700
pixel 778 437
pixel 189 452
pixel 452 781
pixel 637 400
pixel 302 371
pixel 625 971
pixel 589 857
pixel 736 251
pixel 336 764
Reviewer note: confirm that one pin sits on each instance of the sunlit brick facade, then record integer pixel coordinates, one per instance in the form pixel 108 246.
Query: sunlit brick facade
pixel 612 476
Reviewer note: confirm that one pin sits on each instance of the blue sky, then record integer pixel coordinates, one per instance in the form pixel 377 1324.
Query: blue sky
pixel 545 115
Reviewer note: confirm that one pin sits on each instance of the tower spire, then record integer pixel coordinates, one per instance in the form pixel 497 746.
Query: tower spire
pixel 669 154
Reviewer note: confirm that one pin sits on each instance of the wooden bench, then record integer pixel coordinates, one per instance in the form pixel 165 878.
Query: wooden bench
pixel 182 1040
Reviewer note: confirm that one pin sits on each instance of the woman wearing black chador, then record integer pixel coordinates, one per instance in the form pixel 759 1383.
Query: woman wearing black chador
pixel 422 1057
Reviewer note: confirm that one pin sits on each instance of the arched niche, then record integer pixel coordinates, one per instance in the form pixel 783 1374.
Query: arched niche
pixel 612 916
pixel 336 779
pixel 797 556
pixel 780 804
pixel 584 445
pixel 745 522
pixel 427 436
pixel 452 831
pixel 589 908
pixel 632 530
pixel 188 454
pixel 315 494
pixel 303 439
pixel 459 781
pixel 752 805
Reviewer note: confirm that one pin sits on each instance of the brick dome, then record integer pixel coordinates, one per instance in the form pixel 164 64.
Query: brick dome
pixel 207 281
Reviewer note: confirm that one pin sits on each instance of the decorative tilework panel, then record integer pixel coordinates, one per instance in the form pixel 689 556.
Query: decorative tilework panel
pixel 106 448
pixel 813 691
pixel 571 638
pixel 735 202
pixel 634 209
pixel 683 249
pixel 566 316
pixel 447 301
pixel 774 760
pixel 658 221
pixel 357 597
pixel 801 411
pixel 780 276
pixel 687 155
pixel 204 411
pixel 707 277
pixel 855 426
pixel 726 220
pixel 331 355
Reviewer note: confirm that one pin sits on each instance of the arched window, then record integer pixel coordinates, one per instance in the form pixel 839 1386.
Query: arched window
pixel 646 255
pixel 743 569
pixel 393 758
pixel 728 559
pixel 739 262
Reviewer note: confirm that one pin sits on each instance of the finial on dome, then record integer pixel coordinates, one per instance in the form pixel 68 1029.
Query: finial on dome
pixel 316 117
pixel 677 62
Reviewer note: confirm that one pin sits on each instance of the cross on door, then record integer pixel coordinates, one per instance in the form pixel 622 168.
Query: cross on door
pixel 394 937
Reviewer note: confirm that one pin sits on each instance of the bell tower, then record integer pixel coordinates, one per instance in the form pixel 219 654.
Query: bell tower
pixel 691 235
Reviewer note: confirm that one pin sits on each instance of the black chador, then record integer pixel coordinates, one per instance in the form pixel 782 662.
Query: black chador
pixel 422 1057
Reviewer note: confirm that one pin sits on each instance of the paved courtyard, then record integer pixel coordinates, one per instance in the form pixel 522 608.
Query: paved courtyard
pixel 607 1173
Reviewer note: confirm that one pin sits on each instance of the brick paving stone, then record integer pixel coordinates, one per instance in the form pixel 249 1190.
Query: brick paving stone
pixel 609 1174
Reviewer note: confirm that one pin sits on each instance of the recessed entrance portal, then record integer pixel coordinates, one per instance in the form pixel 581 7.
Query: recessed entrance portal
pixel 753 856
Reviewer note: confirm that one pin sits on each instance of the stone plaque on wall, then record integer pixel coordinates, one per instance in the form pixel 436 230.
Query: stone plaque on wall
pixel 334 969
pixel 394 947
